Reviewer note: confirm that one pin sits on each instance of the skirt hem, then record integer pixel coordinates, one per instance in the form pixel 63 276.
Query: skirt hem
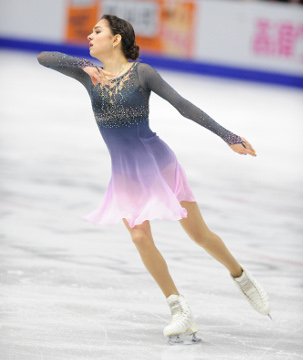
pixel 181 216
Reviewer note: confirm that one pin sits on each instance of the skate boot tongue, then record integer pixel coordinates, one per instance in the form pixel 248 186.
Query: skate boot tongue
pixel 249 288
pixel 244 282
pixel 172 298
pixel 174 302
pixel 253 291
pixel 182 328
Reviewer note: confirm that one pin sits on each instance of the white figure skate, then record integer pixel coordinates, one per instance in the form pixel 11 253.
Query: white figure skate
pixel 253 292
pixel 181 328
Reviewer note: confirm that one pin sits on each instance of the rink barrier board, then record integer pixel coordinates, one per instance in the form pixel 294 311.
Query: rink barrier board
pixel 158 61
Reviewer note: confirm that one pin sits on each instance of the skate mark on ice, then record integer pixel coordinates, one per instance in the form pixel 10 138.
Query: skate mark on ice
pixel 277 341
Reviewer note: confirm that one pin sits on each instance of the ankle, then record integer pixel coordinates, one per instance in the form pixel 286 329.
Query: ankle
pixel 172 293
pixel 237 274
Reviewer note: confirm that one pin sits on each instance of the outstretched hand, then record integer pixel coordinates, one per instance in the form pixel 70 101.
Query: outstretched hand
pixel 243 148
pixel 97 74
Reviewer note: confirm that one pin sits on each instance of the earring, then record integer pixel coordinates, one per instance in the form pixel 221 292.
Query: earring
pixel 113 46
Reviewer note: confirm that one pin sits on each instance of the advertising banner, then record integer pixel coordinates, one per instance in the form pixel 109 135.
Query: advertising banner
pixel 254 35
pixel 82 16
pixel 278 39
pixel 163 27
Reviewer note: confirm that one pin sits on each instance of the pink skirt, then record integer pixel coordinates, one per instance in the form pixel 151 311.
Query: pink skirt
pixel 147 183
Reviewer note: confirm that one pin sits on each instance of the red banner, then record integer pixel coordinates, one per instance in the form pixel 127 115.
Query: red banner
pixel 162 26
pixel 81 18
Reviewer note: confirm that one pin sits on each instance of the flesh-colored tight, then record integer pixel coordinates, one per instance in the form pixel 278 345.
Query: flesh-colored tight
pixel 197 230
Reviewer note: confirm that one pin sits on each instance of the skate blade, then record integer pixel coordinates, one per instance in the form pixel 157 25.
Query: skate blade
pixel 183 339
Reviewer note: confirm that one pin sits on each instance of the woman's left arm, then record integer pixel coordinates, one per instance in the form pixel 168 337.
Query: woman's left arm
pixel 151 80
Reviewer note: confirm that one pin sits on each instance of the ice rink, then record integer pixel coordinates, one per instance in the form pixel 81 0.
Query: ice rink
pixel 70 290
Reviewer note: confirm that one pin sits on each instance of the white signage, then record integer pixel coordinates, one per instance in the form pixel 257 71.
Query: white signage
pixel 251 35
pixel 143 15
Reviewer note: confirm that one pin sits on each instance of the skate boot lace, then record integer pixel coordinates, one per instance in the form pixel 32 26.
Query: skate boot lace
pixel 253 292
pixel 179 313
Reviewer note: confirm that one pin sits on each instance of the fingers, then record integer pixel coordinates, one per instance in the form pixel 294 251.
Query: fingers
pixel 108 73
pixel 251 152
pixel 100 76
pixel 248 145
pixel 248 148
pixel 102 79
pixel 243 148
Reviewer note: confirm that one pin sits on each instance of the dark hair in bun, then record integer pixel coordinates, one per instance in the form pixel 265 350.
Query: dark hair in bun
pixel 124 28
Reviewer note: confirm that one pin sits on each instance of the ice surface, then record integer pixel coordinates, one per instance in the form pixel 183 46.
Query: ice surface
pixel 70 290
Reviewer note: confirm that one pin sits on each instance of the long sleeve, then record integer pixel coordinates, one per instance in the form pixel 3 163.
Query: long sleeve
pixel 151 81
pixel 67 65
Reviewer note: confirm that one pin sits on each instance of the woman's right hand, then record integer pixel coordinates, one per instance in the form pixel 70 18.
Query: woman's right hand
pixel 97 74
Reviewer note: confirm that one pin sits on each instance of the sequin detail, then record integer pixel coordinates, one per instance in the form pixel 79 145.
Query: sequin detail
pixel 147 182
pixel 232 139
pixel 66 60
pixel 126 101
pixel 120 103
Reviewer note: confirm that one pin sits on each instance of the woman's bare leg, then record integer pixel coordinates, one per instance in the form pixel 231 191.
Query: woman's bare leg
pixel 151 257
pixel 198 231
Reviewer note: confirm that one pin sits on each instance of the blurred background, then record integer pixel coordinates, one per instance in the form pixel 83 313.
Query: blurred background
pixel 252 40
pixel 72 291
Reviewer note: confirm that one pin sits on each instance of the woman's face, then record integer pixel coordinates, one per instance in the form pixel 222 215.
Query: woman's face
pixel 101 39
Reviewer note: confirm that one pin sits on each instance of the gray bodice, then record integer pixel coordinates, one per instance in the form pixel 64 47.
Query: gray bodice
pixel 126 101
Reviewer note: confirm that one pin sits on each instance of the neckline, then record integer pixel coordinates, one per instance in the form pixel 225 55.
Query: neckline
pixel 126 72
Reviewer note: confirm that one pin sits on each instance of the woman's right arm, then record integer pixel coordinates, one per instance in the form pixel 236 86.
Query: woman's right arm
pixel 67 65
pixel 81 69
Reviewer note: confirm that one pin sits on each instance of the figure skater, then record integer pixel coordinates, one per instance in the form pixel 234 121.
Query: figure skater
pixel 147 182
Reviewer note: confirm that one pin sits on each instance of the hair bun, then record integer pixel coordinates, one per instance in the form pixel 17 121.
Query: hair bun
pixel 125 29
pixel 133 52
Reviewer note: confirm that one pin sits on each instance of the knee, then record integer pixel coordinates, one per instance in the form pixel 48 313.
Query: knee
pixel 141 239
pixel 203 238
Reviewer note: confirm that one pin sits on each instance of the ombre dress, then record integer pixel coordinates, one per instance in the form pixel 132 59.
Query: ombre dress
pixel 147 182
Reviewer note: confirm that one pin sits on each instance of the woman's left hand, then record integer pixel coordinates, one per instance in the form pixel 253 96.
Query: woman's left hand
pixel 243 148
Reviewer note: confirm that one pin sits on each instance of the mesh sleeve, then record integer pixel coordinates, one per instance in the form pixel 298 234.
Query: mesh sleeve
pixel 68 65
pixel 151 81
